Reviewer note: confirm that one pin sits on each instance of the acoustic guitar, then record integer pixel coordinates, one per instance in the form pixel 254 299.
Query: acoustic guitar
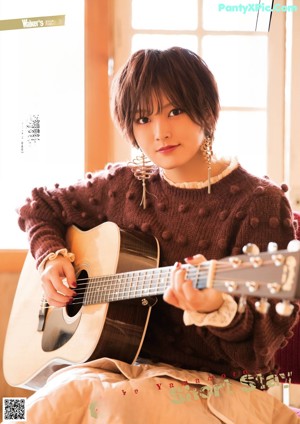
pixel 118 279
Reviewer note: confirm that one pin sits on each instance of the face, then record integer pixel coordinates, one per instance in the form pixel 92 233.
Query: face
pixel 171 140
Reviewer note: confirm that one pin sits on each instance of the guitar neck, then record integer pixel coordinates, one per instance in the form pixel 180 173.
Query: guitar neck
pixel 135 284
pixel 266 275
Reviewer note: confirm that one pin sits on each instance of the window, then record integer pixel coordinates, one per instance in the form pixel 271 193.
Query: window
pixel 41 102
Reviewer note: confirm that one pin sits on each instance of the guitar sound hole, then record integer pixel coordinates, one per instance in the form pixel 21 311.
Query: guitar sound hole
pixel 77 303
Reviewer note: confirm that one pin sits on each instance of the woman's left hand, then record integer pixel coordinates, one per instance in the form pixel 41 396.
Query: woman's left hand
pixel 183 295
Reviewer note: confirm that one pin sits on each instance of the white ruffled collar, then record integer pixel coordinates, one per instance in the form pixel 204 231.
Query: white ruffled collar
pixel 201 184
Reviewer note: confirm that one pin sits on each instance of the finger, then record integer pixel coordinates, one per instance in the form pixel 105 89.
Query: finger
pixel 56 287
pixel 57 304
pixel 56 276
pixel 61 286
pixel 196 259
pixel 182 289
pixel 179 276
pixel 176 267
pixel 53 297
pixel 170 294
pixel 193 299
pixel 169 297
pixel 183 294
pixel 69 273
pixel 179 300
pixel 212 300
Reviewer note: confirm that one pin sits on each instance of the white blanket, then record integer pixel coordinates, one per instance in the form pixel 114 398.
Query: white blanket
pixel 108 391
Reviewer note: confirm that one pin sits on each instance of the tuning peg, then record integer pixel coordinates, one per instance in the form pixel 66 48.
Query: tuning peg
pixel 262 306
pixel 278 259
pixel 251 249
pixel 256 261
pixel 284 308
pixel 242 304
pixel 294 246
pixel 272 247
pixel 252 286
pixel 235 261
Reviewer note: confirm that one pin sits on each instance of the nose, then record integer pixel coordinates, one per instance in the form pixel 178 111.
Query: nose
pixel 162 130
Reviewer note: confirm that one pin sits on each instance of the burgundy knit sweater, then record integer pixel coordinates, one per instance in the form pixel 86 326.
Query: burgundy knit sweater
pixel 241 209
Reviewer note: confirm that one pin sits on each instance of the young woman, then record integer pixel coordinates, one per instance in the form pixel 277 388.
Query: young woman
pixel 197 206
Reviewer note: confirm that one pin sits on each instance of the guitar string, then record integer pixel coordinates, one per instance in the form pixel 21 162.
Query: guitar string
pixel 113 281
pixel 155 292
pixel 136 274
pixel 152 291
pixel 125 285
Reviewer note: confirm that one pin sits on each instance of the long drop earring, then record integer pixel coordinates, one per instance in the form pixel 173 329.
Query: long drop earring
pixel 208 153
pixel 142 169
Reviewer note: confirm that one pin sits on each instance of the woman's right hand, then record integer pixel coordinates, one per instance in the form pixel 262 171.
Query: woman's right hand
pixel 54 277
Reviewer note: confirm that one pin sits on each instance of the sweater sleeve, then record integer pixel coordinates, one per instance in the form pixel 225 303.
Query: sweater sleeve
pixel 269 219
pixel 252 338
pixel 48 213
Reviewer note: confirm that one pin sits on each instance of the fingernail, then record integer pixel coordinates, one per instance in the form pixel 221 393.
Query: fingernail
pixel 177 265
pixel 189 258
pixel 198 256
pixel 74 284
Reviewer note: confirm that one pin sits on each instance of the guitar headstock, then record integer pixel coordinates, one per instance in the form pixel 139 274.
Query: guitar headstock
pixel 271 274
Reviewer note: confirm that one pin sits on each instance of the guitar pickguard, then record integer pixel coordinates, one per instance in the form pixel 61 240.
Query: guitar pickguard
pixel 57 330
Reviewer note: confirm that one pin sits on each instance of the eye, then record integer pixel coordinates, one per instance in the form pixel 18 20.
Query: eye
pixel 142 120
pixel 176 112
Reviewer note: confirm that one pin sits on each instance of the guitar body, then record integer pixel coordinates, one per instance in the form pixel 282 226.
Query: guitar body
pixel 40 341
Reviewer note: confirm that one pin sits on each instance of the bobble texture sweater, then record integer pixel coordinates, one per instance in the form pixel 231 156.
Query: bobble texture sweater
pixel 241 209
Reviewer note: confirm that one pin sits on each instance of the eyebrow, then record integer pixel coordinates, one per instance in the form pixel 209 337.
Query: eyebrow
pixel 165 106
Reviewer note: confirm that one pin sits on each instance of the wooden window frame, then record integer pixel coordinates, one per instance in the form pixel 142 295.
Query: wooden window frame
pixel 98 125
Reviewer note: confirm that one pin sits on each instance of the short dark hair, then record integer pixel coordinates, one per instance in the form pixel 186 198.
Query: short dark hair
pixel 178 73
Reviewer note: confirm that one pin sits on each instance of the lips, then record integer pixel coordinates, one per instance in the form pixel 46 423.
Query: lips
pixel 168 148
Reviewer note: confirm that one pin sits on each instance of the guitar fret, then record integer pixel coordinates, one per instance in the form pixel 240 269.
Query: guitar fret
pixel 101 290
pixel 150 278
pixel 158 280
pixel 115 291
pixel 151 281
pixel 136 289
pixel 87 296
pixel 93 292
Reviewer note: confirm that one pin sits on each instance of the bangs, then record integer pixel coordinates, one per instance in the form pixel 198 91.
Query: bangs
pixel 150 95
pixel 150 102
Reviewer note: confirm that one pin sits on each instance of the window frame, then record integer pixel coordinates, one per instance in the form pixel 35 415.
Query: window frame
pixel 97 122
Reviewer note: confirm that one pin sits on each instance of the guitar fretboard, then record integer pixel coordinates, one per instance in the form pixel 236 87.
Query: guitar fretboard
pixel 137 284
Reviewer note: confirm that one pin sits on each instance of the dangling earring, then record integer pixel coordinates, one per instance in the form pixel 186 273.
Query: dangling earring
pixel 142 169
pixel 206 148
